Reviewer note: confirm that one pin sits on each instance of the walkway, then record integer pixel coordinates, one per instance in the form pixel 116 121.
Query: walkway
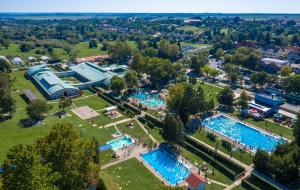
pixel 146 131
pixel 117 122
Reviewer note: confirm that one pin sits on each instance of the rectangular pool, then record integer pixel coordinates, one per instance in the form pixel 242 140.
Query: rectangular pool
pixel 244 134
pixel 168 166
pixel 120 142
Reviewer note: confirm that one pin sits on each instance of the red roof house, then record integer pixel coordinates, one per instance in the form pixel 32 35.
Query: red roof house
pixel 196 182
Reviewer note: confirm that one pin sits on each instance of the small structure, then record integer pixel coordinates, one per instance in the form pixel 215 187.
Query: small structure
pixel 85 112
pixel 45 58
pixel 269 99
pixel 260 108
pixel 29 96
pixel 17 61
pixel 196 182
pixel 31 59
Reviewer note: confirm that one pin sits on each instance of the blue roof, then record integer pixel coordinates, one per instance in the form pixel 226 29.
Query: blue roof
pixel 92 72
pixel 35 69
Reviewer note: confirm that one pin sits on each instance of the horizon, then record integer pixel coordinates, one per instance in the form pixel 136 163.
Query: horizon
pixel 155 6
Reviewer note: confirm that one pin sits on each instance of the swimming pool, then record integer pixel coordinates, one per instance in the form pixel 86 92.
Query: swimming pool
pixel 151 100
pixel 171 169
pixel 245 134
pixel 120 142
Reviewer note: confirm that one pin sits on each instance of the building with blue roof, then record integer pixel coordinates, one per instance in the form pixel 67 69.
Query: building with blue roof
pixel 88 74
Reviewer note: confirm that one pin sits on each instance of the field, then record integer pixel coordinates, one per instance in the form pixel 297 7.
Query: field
pixel 82 49
pixel 194 29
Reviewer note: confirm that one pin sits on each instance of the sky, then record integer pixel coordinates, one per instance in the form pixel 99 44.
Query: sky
pixel 152 6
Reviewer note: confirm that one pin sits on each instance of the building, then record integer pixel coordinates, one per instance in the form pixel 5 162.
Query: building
pixel 273 52
pixel 28 95
pixel 265 111
pixel 53 85
pixel 196 182
pixel 92 59
pixel 268 99
pixel 289 110
pixel 296 68
pixel 272 65
pixel 293 54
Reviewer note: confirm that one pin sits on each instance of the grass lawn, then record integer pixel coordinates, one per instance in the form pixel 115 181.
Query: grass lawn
pixel 155 132
pixel 194 44
pixel 130 175
pixel 213 186
pixel 136 131
pixel 197 161
pixel 83 50
pixel 210 91
pixel 239 188
pixel 94 102
pixel 194 29
pixel 277 129
pixel 239 155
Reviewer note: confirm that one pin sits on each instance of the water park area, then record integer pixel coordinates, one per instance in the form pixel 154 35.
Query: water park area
pixel 150 99
pixel 251 138
pixel 120 142
pixel 173 170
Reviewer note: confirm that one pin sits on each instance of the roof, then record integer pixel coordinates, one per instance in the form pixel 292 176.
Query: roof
pixel 29 95
pixel 17 60
pixel 274 61
pixel 287 114
pixel 259 107
pixel 194 180
pixel 92 72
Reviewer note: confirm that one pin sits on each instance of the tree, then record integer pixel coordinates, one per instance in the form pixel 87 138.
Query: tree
pixel 5 65
pixel 24 169
pixel 7 103
pixel 292 83
pixel 243 102
pixel 93 43
pixel 26 46
pixel 285 71
pixel 219 52
pixel 167 50
pixel 117 84
pixel 296 131
pixel 211 104
pixel 60 160
pixel 137 63
pixel 206 70
pixel 198 61
pixel 131 79
pixel 233 72
pixel 173 130
pixel 226 97
pixel 260 78
pixel 261 161
pixel 120 52
pixel 36 109
pixel 68 155
pixel 64 102
pixel 213 72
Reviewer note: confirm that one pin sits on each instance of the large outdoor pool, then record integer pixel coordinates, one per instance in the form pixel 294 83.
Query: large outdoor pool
pixel 120 142
pixel 244 134
pixel 149 99
pixel 171 169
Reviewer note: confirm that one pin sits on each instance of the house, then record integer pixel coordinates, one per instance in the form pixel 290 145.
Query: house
pixel 17 61
pixel 289 110
pixel 272 65
pixel 273 52
pixel 293 54
pixel 196 182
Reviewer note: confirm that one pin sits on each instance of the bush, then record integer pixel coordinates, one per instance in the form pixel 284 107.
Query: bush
pixel 247 185
pixel 211 137
pixel 132 108
pixel 227 145
pixel 156 122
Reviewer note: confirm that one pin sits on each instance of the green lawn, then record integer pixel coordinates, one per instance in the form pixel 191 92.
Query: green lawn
pixel 210 91
pixel 83 50
pixel 194 44
pixel 194 29
pixel 130 175
pixel 94 102
pixel 237 154
pixel 136 131
pixel 271 126
pixel 197 161
pixel 239 188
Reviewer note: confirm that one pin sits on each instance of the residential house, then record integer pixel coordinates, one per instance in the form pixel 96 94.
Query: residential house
pixel 196 182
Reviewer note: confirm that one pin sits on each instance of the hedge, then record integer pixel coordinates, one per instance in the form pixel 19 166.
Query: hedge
pixel 107 99
pixel 254 179
pixel 218 165
pixel 249 186
pixel 230 164
pixel 132 108
pixel 156 122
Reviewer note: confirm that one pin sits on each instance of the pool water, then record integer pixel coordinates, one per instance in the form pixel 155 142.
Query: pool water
pixel 120 142
pixel 172 170
pixel 246 135
pixel 152 100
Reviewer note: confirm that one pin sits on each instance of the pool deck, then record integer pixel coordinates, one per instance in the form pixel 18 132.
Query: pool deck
pixel 237 143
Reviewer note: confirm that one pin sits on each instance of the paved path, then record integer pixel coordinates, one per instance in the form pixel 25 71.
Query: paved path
pixel 146 131
pixel 117 122
pixel 239 181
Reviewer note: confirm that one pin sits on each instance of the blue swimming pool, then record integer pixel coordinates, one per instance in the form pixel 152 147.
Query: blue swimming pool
pixel 151 100
pixel 120 142
pixel 245 134
pixel 171 169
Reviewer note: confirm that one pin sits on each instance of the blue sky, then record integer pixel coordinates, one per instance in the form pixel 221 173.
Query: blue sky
pixel 197 6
